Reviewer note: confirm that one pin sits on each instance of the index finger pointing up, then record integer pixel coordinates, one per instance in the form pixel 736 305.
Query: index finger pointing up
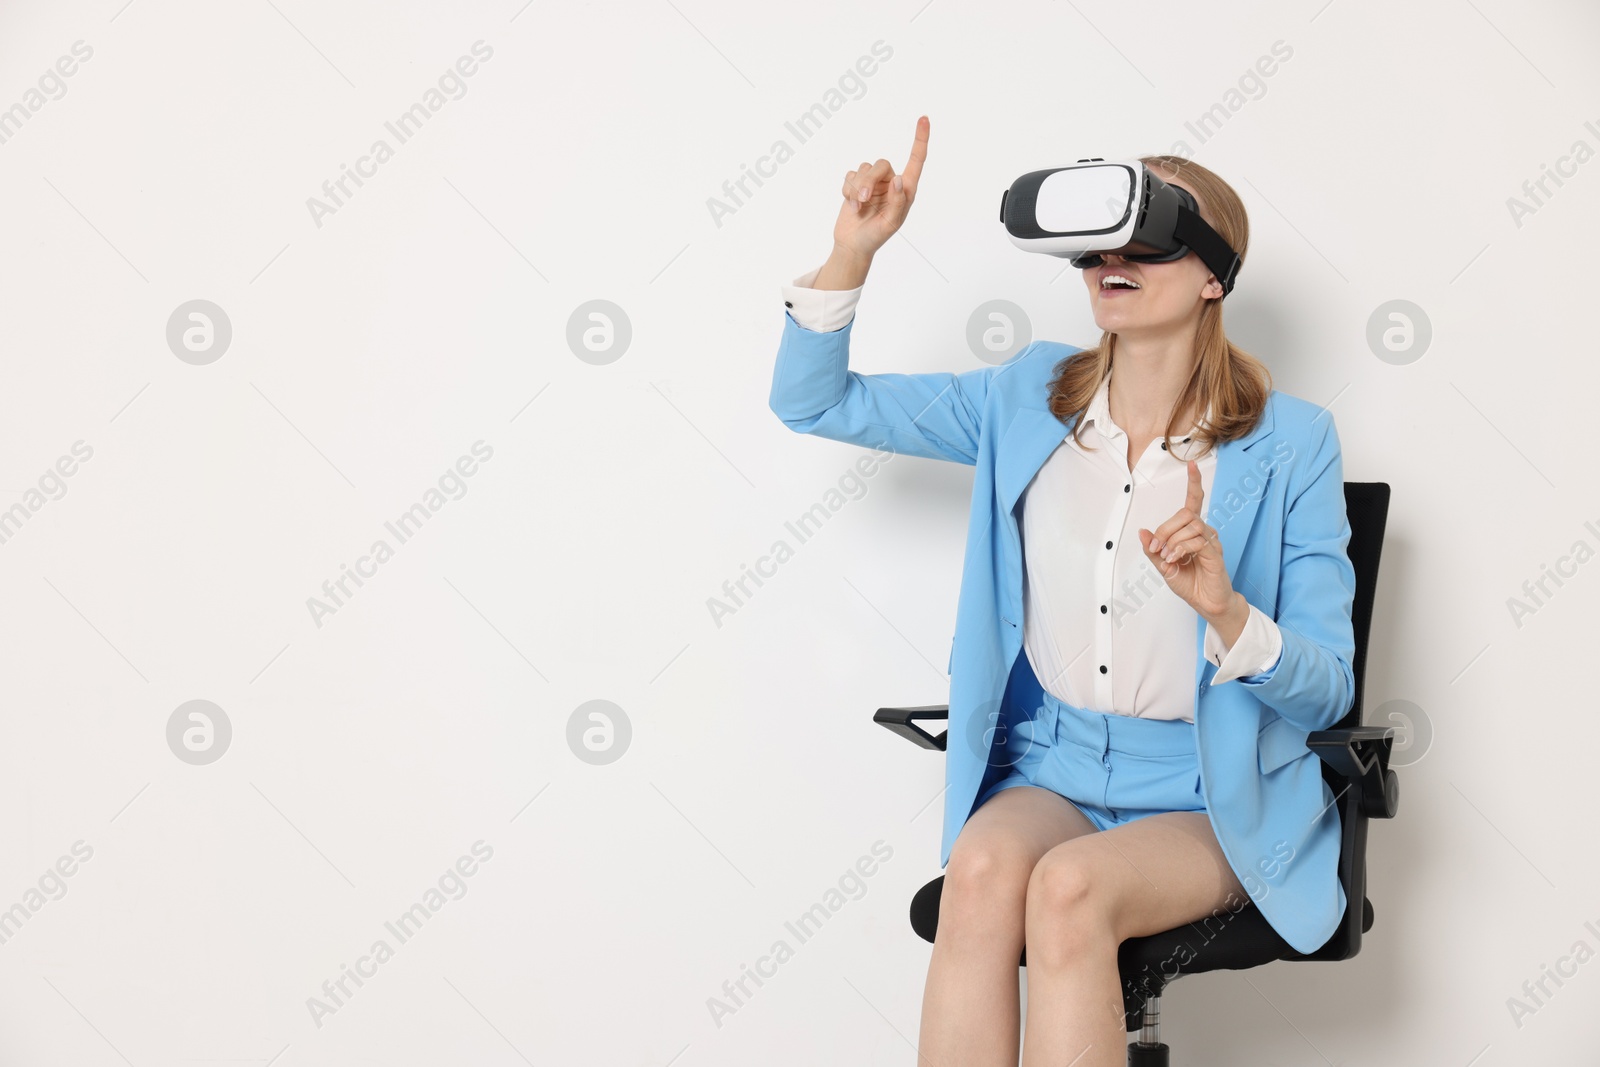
pixel 919 152
pixel 1197 492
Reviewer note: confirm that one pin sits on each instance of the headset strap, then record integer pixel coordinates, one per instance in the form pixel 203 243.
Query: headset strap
pixel 1195 232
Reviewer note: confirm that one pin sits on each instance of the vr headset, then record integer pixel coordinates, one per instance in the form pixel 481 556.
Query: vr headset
pixel 1096 206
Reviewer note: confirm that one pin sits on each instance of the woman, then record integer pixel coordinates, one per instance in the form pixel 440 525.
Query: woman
pixel 1093 795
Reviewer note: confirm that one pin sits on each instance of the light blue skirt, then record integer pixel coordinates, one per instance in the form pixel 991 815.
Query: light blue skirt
pixel 1114 768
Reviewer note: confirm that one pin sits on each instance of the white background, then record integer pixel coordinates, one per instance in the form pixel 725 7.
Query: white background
pixel 432 709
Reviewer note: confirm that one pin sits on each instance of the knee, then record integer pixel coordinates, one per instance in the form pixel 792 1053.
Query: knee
pixel 1069 910
pixel 985 882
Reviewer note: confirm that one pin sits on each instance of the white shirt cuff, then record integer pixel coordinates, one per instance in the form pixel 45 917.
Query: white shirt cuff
pixel 1257 650
pixel 821 310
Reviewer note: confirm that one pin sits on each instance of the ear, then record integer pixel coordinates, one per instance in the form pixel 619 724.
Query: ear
pixel 1213 289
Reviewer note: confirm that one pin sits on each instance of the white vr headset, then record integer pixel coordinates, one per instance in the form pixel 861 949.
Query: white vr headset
pixel 1096 206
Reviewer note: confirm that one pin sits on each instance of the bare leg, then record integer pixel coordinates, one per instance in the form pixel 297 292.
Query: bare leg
pixel 970 1005
pixel 1086 897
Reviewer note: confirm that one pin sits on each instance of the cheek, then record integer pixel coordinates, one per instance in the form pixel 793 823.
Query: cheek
pixel 1175 295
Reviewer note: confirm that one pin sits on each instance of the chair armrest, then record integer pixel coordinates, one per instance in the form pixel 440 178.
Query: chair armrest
pixel 901 721
pixel 1360 755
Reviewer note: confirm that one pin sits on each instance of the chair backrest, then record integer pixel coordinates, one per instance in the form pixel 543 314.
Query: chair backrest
pixel 1367 505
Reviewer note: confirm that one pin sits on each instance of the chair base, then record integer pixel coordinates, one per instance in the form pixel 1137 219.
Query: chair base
pixel 1148 1051
pixel 1141 1055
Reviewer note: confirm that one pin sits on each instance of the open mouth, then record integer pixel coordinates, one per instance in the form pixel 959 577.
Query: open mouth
pixel 1117 283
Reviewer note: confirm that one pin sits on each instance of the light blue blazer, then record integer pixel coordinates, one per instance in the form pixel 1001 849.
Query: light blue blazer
pixel 1277 502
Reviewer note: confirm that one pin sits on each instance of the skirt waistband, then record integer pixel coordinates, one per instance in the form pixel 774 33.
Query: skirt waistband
pixel 1109 732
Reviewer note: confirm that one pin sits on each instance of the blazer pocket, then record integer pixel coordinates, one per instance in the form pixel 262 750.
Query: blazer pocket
pixel 1280 742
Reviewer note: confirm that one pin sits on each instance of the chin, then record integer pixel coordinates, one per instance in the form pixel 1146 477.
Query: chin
pixel 1112 321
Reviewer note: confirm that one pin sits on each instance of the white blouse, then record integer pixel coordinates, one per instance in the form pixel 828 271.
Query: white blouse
pixel 1101 628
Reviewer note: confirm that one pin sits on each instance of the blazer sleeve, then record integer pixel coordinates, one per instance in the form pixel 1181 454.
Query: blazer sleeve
pixel 936 415
pixel 1313 684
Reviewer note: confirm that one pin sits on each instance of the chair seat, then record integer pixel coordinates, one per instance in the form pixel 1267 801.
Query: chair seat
pixel 1228 942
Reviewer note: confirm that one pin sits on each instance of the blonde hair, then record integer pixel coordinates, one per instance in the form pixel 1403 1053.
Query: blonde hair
pixel 1226 380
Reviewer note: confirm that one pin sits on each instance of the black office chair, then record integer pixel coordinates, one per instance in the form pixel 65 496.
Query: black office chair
pixel 1355 764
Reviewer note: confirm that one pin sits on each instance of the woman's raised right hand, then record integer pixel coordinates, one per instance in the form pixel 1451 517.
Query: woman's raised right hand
pixel 876 200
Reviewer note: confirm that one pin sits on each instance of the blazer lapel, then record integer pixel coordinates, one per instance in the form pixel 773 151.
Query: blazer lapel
pixel 1237 487
pixel 1033 434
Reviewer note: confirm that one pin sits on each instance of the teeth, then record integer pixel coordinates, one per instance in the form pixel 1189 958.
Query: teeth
pixel 1117 279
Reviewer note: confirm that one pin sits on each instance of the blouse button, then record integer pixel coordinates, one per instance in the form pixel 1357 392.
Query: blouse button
pixel 1108 544
pixel 1128 488
pixel 1102 668
pixel 1163 446
pixel 1102 609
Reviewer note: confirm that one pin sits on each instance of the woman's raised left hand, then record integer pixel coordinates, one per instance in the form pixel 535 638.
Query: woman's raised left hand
pixel 1187 553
